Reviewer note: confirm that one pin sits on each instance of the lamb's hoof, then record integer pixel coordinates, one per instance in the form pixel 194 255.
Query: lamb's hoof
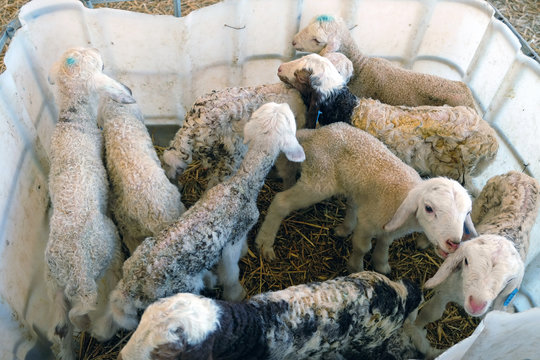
pixel 235 294
pixel 268 253
pixel 354 266
pixel 384 269
pixel 341 231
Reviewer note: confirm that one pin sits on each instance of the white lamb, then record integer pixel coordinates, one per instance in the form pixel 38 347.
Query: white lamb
pixel 212 131
pixel 484 273
pixel 143 200
pixel 83 242
pixel 435 140
pixel 213 231
pixel 378 78
pixel 352 317
pixel 386 199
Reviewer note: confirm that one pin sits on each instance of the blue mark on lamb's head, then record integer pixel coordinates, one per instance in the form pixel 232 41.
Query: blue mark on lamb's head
pixel 70 61
pixel 325 18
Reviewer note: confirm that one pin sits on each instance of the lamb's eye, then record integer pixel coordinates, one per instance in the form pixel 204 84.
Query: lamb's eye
pixel 316 41
pixel 429 209
pixel 466 261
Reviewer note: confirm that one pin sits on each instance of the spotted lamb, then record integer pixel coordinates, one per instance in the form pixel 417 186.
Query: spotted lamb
pixel 378 78
pixel 345 318
pixel 143 200
pixel 213 231
pixel 83 242
pixel 386 198
pixel 435 140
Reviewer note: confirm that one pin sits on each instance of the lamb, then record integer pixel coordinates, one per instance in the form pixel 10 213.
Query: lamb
pixel 378 78
pixel 212 129
pixel 386 198
pixel 347 317
pixel 435 140
pixel 485 272
pixel 83 242
pixel 213 229
pixel 143 200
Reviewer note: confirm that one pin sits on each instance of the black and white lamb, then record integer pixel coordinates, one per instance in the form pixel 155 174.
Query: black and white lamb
pixel 83 242
pixel 212 131
pixel 485 272
pixel 435 140
pixel 213 231
pixel 378 78
pixel 386 198
pixel 350 317
pixel 143 200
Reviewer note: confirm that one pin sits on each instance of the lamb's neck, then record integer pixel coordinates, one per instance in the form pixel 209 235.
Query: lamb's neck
pixel 256 164
pixel 350 49
pixel 78 110
pixel 240 323
pixel 339 105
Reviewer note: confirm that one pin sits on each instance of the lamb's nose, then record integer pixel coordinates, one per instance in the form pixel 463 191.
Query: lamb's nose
pixel 452 245
pixel 293 43
pixel 477 306
pixel 279 69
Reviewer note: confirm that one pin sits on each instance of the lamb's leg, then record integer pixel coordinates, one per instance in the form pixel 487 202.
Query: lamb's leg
pixel 380 254
pixel 229 272
pixel 350 221
pixel 361 243
pixel 61 332
pixel 299 196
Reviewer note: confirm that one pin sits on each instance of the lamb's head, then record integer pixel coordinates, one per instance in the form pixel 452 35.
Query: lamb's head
pixel 79 73
pixel 491 269
pixel 322 34
pixel 273 125
pixel 442 208
pixel 312 73
pixel 170 326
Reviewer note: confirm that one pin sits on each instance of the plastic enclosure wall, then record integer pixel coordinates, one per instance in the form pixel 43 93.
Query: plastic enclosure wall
pixel 168 62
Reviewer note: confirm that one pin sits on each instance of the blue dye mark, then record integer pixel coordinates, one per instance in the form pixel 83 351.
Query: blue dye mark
pixel 510 297
pixel 319 112
pixel 70 61
pixel 325 18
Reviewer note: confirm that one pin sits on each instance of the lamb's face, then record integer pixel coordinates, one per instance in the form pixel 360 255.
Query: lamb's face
pixel 315 36
pixel 79 72
pixel 443 211
pixel 491 267
pixel 311 72
pixel 169 325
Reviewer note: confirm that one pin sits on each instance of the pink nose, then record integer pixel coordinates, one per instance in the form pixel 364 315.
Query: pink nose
pixel 452 245
pixel 279 69
pixel 476 307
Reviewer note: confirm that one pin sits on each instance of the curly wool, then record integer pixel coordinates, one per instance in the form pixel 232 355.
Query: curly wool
pixel 142 200
pixel 212 129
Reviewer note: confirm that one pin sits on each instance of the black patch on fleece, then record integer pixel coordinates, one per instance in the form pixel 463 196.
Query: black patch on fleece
pixel 338 106
pixel 345 320
pixel 241 333
pixel 414 296
pixel 385 299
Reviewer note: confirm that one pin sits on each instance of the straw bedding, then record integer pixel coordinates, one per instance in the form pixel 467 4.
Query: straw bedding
pixel 305 247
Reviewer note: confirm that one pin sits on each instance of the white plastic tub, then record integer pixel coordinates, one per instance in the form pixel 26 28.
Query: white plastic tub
pixel 169 61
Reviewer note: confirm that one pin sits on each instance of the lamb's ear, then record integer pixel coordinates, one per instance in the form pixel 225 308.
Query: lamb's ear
pixel 113 89
pixel 449 265
pixel 469 231
pixel 302 76
pixel 332 45
pixel 406 209
pixel 292 149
